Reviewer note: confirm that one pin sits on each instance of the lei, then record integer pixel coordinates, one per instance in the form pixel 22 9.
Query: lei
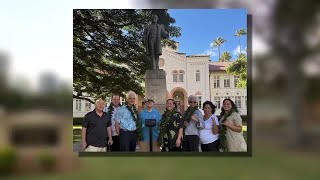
pixel 187 117
pixel 165 120
pixel 136 118
pixel 223 131
pixel 111 110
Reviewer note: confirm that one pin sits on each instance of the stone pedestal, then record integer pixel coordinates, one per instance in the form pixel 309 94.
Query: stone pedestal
pixel 156 88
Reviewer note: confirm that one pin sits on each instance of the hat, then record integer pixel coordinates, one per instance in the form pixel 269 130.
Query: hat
pixel 147 99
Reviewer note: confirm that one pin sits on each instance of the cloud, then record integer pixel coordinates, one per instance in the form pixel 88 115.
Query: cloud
pixel 210 52
pixel 236 51
pixel 211 44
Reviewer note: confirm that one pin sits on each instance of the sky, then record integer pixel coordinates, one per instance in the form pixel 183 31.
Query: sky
pixel 201 26
pixel 37 34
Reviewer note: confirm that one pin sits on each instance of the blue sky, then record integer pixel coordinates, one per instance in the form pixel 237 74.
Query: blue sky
pixel 201 26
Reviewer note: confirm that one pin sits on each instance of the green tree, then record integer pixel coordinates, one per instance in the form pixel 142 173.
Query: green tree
pixel 225 57
pixel 108 54
pixel 239 68
pixel 218 42
pixel 239 33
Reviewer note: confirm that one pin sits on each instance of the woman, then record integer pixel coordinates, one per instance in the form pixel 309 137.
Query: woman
pixel 209 136
pixel 150 113
pixel 171 128
pixel 193 122
pixel 231 135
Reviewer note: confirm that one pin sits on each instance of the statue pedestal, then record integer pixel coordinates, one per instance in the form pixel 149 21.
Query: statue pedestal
pixel 156 88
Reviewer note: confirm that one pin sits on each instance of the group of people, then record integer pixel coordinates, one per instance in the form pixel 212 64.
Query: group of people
pixel 121 128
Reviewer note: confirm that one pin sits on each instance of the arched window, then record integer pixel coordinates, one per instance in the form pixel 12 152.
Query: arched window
pixel 175 76
pixel 197 75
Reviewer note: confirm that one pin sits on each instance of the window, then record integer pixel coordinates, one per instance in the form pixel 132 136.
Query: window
pixel 199 102
pixel 175 77
pixel 198 75
pixel 238 101
pixel 78 104
pixel 88 106
pixel 236 80
pixel 216 81
pixel 226 81
pixel 181 76
pixel 123 100
pixel 217 101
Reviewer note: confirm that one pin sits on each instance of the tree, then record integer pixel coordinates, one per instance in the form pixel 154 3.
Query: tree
pixel 239 33
pixel 239 68
pixel 218 42
pixel 225 57
pixel 108 54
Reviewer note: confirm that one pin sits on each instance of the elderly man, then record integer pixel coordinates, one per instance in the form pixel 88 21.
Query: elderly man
pixel 193 121
pixel 128 124
pixel 113 136
pixel 94 129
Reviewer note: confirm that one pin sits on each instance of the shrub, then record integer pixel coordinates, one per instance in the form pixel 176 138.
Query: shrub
pixel 7 160
pixel 77 121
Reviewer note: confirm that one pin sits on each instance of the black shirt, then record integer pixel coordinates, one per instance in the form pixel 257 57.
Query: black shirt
pixel 96 128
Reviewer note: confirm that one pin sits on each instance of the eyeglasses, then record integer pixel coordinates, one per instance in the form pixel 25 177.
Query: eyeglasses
pixel 193 102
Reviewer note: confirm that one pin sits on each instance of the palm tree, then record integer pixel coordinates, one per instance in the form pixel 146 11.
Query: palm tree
pixel 240 33
pixel 225 57
pixel 218 42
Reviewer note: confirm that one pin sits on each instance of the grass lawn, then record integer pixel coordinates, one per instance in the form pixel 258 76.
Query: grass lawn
pixel 267 163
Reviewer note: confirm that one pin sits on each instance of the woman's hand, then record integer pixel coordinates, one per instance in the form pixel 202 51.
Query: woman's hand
pixel 228 124
pixel 194 118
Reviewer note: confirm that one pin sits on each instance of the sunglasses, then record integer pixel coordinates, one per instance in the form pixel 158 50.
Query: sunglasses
pixel 193 102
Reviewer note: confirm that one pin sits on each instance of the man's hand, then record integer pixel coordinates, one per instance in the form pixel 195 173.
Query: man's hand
pixel 84 145
pixel 110 142
pixel 186 123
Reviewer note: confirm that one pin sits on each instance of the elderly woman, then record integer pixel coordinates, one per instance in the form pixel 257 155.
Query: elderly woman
pixel 193 122
pixel 150 113
pixel 209 136
pixel 231 134
pixel 171 128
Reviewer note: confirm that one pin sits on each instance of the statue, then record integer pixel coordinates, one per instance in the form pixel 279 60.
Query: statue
pixel 152 40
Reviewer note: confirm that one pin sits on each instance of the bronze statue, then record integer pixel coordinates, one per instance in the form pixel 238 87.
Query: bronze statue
pixel 152 40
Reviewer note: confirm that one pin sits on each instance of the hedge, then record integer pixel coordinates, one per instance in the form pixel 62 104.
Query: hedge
pixel 77 121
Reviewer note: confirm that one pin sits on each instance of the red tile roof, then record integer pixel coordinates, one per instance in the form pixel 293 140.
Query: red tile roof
pixel 219 66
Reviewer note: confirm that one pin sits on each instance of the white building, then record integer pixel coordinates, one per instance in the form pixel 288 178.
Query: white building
pixel 187 75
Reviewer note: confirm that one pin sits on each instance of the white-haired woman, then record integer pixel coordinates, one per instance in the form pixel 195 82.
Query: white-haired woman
pixel 193 122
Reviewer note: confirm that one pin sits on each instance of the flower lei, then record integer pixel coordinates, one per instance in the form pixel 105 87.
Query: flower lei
pixel 165 120
pixel 187 117
pixel 111 110
pixel 223 131
pixel 136 118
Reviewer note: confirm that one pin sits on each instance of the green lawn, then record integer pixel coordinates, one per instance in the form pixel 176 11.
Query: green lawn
pixel 267 163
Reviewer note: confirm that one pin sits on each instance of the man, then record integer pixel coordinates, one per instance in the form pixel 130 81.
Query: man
pixel 152 40
pixel 112 110
pixel 94 129
pixel 126 126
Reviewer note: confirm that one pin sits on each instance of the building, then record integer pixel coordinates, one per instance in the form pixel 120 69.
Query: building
pixel 187 75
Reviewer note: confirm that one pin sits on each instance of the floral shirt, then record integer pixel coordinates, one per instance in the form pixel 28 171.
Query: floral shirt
pixel 172 131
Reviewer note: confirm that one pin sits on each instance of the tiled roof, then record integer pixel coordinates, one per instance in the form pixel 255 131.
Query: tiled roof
pixel 219 66
pixel 199 55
